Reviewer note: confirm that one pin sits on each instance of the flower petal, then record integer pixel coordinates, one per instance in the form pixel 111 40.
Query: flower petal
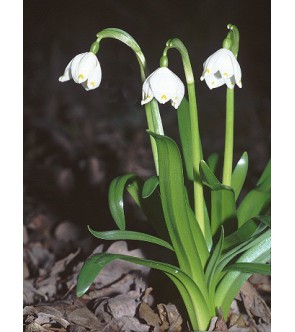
pixel 161 83
pixel 179 94
pixel 238 74
pixel 147 93
pixel 230 82
pixel 211 64
pixel 82 65
pixel 94 78
pixel 67 73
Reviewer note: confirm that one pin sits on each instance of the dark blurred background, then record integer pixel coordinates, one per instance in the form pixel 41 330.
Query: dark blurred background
pixel 76 142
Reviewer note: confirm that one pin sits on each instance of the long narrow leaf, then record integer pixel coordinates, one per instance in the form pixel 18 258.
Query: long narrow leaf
pixel 151 206
pixel 233 280
pixel 215 256
pixel 257 200
pixel 229 256
pixel 211 267
pixel 130 235
pixel 250 268
pixel 116 198
pixel 209 177
pixel 212 161
pixel 245 232
pixel 265 174
pixel 264 219
pixel 223 208
pixel 184 126
pixel 191 254
pixel 239 174
pixel 150 186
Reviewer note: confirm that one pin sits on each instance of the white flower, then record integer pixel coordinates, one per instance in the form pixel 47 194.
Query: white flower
pixel 164 85
pixel 83 69
pixel 222 68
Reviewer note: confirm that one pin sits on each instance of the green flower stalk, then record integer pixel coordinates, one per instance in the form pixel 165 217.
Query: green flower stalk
pixel 196 140
pixel 233 46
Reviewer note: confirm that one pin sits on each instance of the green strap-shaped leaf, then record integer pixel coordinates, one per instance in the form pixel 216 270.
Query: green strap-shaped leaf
pixel 194 300
pixel 116 198
pixel 215 255
pixel 239 174
pixel 208 234
pixel 230 284
pixel 212 161
pixel 184 126
pixel 150 186
pixel 265 174
pixel 260 235
pixel 251 228
pixel 186 237
pixel 211 267
pixel 150 206
pixel 250 268
pixel 130 235
pixel 223 207
pixel 245 232
pixel 257 200
pixel 209 178
pixel 264 219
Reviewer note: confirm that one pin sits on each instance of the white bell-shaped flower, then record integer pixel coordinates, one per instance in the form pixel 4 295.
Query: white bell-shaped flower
pixel 222 68
pixel 84 69
pixel 163 85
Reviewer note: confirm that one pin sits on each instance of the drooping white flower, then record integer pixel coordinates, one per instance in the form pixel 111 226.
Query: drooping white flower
pixel 222 68
pixel 84 69
pixel 163 85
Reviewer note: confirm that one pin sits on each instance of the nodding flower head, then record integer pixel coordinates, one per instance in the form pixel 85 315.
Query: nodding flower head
pixel 84 69
pixel 222 68
pixel 163 85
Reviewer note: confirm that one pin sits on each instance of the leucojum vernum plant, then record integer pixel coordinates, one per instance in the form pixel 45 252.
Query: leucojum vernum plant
pixel 217 243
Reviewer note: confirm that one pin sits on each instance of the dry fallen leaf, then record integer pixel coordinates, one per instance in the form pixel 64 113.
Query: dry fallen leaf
pixel 84 317
pixel 147 314
pixel 255 306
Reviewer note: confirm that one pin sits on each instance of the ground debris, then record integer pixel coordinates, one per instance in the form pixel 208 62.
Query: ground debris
pixel 164 318
pixel 123 312
pixel 256 308
pixel 249 312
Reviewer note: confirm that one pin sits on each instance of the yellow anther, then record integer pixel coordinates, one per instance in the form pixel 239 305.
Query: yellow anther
pixel 225 74
pixel 207 71
pixel 164 97
pixel 81 76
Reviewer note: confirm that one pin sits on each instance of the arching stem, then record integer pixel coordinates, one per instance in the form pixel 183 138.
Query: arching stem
pixel 152 111
pixel 196 141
